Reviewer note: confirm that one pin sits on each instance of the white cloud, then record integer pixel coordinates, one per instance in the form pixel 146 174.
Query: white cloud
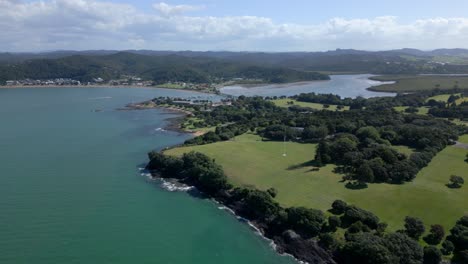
pixel 169 10
pixel 92 24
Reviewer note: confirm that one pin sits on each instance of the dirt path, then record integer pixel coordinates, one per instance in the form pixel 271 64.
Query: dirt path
pixel 461 145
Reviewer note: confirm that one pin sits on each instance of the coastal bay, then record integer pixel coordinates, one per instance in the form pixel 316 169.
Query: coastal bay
pixel 71 188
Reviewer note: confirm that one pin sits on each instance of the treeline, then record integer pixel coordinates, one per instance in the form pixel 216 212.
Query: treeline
pixel 418 99
pixel 451 111
pixel 311 235
pixel 160 69
pixel 332 99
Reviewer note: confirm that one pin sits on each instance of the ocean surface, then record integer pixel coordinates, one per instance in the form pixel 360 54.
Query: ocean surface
pixel 71 190
pixel 343 85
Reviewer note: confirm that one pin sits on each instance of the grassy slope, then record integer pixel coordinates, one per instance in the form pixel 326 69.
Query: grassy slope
pixel 251 162
pixel 283 103
pixel 419 83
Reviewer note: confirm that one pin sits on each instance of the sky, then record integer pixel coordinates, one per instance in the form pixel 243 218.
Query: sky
pixel 239 25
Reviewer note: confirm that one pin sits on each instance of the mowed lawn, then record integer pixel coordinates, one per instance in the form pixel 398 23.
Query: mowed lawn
pixel 284 103
pixel 250 162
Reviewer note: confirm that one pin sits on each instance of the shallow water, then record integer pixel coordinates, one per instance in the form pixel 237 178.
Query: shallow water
pixel 71 189
pixel 342 85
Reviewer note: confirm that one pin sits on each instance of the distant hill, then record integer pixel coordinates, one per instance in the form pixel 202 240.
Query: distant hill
pixel 198 66
pixel 160 69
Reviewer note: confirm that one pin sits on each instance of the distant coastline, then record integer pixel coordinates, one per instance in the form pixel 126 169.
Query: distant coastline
pixel 98 86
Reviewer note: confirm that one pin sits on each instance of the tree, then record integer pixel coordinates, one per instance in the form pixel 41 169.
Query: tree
pixel 404 248
pixel 364 173
pixel 339 207
pixel 334 222
pixel 272 192
pixel 414 227
pixel 327 241
pixel 260 205
pixel 432 255
pixel 322 155
pixel 459 236
pixel 436 234
pixel 366 248
pixel 453 98
pixel 368 132
pixel 354 214
pixel 411 109
pixel 306 222
pixel 314 132
pixel 456 181
pixel 356 228
pixel 447 247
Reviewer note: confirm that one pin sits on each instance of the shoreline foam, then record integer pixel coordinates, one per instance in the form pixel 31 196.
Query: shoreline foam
pixel 173 185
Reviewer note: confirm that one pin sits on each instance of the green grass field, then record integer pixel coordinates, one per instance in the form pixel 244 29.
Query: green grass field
pixel 414 83
pixel 421 110
pixel 440 97
pixel 250 162
pixel 284 103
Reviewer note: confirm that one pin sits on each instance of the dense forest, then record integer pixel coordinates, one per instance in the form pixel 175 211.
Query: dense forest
pixel 159 69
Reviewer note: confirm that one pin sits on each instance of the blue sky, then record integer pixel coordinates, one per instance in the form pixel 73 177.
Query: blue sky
pixel 256 25
pixel 313 11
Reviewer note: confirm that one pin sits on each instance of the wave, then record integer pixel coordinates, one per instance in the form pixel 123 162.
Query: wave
pixel 257 231
pixel 174 186
pixel 168 185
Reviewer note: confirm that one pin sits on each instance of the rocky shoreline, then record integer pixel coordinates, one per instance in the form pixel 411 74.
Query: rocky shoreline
pixel 173 122
pixel 304 251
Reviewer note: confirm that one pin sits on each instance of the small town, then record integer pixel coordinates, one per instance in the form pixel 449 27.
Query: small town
pixel 134 81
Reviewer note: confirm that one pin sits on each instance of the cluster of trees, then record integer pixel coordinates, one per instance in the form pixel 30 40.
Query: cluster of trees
pixel 193 168
pixel 368 157
pixel 323 99
pixel 452 111
pixel 457 241
pixel 449 109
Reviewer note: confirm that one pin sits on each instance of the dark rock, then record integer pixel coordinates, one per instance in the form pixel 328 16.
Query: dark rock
pixel 306 250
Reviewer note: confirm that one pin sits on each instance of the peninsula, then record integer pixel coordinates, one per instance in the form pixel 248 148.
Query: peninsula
pixel 310 177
